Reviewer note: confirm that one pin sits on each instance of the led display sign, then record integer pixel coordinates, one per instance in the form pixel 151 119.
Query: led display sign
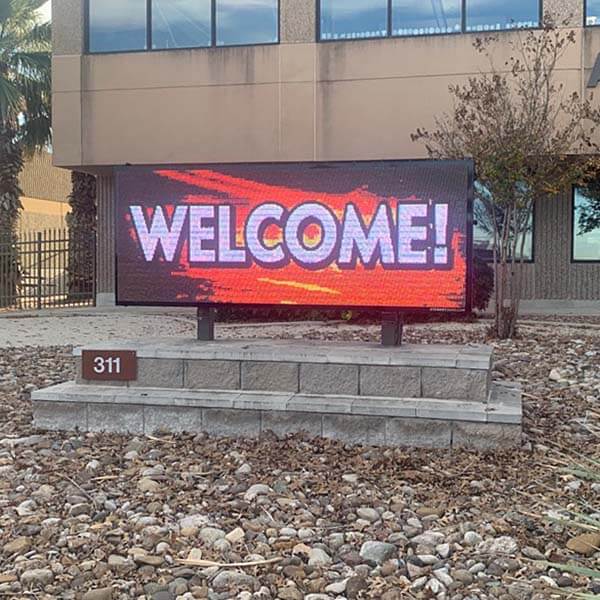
pixel 390 235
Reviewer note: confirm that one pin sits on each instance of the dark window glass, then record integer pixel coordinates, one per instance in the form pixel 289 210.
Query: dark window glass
pixel 353 19
pixel 417 17
pixel 493 15
pixel 586 227
pixel 483 229
pixel 117 25
pixel 247 22
pixel 592 12
pixel 180 23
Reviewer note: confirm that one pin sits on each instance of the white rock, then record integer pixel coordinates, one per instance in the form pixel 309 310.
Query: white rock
pixel 318 558
pixel 256 490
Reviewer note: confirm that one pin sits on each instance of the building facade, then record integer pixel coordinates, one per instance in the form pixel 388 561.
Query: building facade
pixel 156 82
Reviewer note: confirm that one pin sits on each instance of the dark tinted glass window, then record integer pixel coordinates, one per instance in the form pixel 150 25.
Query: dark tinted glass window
pixel 352 19
pixel 493 15
pixel 417 17
pixel 181 23
pixel 592 12
pixel 586 227
pixel 247 22
pixel 117 25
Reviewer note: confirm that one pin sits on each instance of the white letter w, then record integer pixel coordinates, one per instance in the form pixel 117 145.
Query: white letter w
pixel 159 231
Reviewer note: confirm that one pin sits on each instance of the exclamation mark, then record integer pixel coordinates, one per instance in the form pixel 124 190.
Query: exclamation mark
pixel 441 234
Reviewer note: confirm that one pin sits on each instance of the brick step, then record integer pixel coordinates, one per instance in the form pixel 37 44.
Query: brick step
pixel 421 422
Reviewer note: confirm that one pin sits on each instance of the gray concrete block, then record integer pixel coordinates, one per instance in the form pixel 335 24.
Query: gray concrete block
pixel 419 433
pixel 329 379
pixel 487 436
pixel 60 416
pixel 382 407
pixel 355 430
pixel 172 418
pixel 164 373
pixel 116 418
pixel 270 376
pixel 455 384
pixel 321 404
pixel 231 423
pixel 284 423
pixel 212 374
pixel 452 410
pixel 392 382
pixel 262 401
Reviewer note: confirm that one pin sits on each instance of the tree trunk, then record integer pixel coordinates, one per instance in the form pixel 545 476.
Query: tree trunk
pixel 82 236
pixel 11 164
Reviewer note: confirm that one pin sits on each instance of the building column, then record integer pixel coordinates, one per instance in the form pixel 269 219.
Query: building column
pixel 105 244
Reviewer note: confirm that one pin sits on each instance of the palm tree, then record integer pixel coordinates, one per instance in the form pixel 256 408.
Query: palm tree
pixel 25 91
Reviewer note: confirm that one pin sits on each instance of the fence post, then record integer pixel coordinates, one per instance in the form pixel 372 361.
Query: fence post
pixel 39 270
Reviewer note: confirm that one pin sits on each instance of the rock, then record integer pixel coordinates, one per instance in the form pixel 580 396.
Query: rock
pixel 227 581
pixel 368 514
pixel 556 375
pixel 147 559
pixel 318 558
pixel 585 544
pixel 377 552
pixel 532 553
pixel 354 586
pixel 99 594
pixel 257 490
pixel 80 509
pixel 443 576
pixel 37 577
pixel 19 545
pixel 245 469
pixel 520 591
pixel 337 587
pixel 472 538
pixel 443 550
pixel 350 478
pixel 500 545
pixel 428 538
pixel 290 592
pixel 463 576
pixel 148 485
pixel 235 536
pixel 209 535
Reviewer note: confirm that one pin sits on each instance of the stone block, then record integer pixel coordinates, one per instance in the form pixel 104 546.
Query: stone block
pixel 419 433
pixel 162 373
pixel 116 418
pixel 321 404
pixel 488 436
pixel 455 384
pixel 383 407
pixel 392 382
pixel 172 418
pixel 329 379
pixel 212 374
pixel 262 401
pixel 270 376
pixel 354 429
pixel 231 423
pixel 60 416
pixel 284 423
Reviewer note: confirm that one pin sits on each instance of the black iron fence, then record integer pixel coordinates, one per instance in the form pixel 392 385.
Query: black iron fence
pixel 47 269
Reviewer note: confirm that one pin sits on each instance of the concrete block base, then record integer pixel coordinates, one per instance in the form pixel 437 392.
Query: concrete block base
pixel 429 397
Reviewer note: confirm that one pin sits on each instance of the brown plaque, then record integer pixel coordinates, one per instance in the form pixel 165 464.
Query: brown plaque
pixel 109 365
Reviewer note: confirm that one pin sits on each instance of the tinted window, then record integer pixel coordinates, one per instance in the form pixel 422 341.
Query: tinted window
pixel 117 25
pixel 247 22
pixel 483 231
pixel 181 23
pixel 352 19
pixel 592 12
pixel 586 228
pixel 416 17
pixel 491 15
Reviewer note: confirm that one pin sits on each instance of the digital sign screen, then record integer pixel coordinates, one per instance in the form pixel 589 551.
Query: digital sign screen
pixel 386 234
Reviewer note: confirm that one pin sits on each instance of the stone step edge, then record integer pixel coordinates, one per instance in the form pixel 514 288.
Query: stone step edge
pixel 504 406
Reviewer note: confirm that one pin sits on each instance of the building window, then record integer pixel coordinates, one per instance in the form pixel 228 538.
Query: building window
pixel 353 19
pixel 117 25
pixel 250 22
pixel 415 17
pixel 483 231
pixel 586 227
pixel 359 19
pixel 495 15
pixel 592 12
pixel 181 23
pixel 133 25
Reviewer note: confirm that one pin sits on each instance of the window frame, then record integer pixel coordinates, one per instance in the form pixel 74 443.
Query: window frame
pixel 390 35
pixel 585 15
pixel 149 48
pixel 578 261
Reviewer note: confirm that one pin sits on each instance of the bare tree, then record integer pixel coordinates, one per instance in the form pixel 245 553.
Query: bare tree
pixel 530 139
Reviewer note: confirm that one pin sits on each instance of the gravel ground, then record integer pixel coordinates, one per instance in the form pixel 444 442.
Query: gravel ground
pixel 105 516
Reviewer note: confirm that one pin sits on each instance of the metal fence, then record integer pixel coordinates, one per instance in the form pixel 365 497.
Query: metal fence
pixel 47 269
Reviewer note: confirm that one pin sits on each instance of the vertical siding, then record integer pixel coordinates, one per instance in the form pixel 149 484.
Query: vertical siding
pixel 105 261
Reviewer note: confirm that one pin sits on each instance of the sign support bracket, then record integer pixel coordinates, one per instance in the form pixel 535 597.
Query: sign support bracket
pixel 392 327
pixel 206 324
